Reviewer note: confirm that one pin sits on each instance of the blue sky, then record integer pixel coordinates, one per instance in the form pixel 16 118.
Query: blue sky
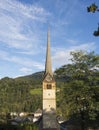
pixel 23 33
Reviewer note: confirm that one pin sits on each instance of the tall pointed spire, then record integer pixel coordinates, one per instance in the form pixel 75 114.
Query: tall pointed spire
pixel 48 65
pixel 49 121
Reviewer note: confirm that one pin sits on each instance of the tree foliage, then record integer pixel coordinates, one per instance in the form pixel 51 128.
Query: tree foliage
pixel 94 8
pixel 80 93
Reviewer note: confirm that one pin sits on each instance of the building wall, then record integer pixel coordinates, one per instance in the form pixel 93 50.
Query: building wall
pixel 49 94
pixel 49 97
pixel 49 106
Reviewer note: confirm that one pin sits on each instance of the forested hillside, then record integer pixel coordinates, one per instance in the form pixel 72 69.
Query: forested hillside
pixel 15 94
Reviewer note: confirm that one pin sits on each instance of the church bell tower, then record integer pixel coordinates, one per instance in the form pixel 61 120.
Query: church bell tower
pixel 49 93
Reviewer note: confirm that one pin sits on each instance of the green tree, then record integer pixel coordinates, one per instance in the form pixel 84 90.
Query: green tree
pixel 81 90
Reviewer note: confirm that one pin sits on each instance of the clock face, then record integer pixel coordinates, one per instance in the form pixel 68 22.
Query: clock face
pixel 48 78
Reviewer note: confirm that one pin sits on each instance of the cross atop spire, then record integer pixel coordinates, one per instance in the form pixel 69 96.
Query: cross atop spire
pixel 48 65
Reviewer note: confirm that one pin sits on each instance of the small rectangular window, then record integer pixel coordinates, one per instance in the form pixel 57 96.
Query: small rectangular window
pixel 49 86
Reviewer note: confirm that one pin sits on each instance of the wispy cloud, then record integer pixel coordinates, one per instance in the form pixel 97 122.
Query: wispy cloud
pixel 26 62
pixel 62 56
pixel 26 70
pixel 19 33
pixel 66 10
pixel 72 41
pixel 3 55
pixel 16 28
pixel 18 9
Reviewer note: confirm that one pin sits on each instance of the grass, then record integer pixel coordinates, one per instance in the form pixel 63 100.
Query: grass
pixel 36 91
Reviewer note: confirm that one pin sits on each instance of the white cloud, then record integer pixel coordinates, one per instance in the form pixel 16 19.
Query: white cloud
pixel 3 55
pixel 85 46
pixel 62 56
pixel 27 62
pixel 29 11
pixel 26 70
pixel 72 41
pixel 66 12
pixel 18 24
